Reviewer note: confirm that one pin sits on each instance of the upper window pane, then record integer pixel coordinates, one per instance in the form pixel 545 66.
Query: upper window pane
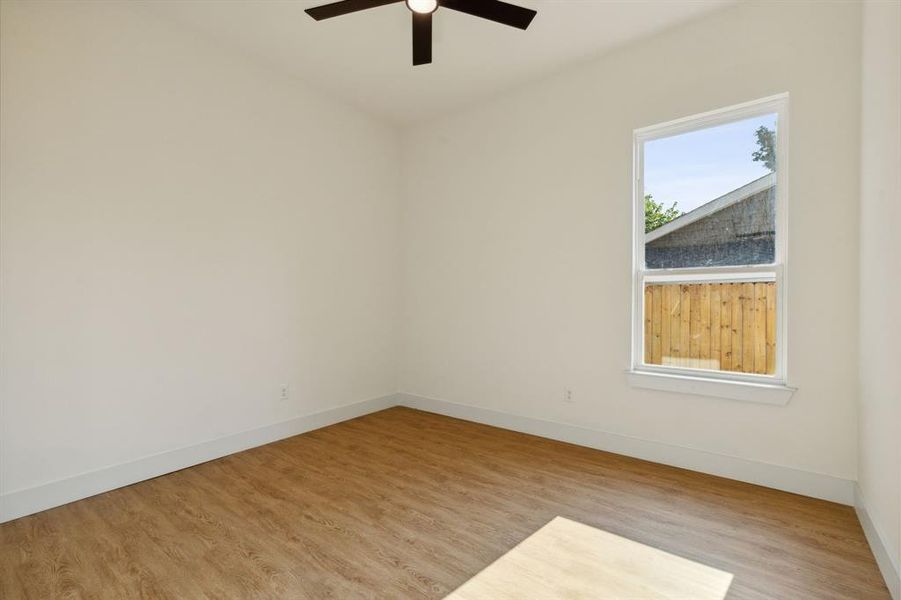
pixel 710 196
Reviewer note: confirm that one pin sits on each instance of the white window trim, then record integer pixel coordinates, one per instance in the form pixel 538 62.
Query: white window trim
pixel 745 391
pixel 770 389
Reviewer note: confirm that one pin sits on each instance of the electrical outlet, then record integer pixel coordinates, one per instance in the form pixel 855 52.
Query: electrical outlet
pixel 283 394
pixel 568 395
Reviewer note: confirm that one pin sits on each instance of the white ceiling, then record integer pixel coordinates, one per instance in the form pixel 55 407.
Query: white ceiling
pixel 365 57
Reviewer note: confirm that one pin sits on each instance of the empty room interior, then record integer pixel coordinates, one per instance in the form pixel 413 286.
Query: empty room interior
pixel 465 299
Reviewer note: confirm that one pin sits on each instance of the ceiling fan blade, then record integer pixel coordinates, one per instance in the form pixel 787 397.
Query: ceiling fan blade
pixel 336 9
pixel 422 38
pixel 494 10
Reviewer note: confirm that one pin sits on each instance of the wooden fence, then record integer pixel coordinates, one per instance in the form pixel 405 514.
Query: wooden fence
pixel 722 326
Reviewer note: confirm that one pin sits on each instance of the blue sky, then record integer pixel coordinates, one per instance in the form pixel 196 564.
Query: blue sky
pixel 697 167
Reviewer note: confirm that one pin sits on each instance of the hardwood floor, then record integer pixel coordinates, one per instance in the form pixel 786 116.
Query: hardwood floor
pixel 406 504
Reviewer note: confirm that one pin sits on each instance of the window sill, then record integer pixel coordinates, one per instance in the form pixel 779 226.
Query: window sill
pixel 762 393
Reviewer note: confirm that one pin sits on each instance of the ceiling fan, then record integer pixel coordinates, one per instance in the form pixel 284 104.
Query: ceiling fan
pixel 493 10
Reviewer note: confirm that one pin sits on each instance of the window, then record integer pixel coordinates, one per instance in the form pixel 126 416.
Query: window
pixel 709 253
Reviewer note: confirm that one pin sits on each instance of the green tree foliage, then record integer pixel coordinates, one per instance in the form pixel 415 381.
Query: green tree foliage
pixel 766 142
pixel 655 215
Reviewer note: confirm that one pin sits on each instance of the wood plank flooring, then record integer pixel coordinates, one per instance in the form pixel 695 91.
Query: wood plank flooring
pixel 407 504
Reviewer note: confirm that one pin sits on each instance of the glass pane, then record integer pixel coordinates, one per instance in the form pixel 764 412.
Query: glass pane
pixel 713 326
pixel 710 196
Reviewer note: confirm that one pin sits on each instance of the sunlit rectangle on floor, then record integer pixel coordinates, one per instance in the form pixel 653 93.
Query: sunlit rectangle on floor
pixel 566 559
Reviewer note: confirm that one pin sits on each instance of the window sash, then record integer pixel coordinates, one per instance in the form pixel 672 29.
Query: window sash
pixel 712 274
pixel 772 273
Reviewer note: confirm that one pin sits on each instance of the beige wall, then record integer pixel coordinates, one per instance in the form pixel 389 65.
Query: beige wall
pixel 880 274
pixel 183 231
pixel 517 238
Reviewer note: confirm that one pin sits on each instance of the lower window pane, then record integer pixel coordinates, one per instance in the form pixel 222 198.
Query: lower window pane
pixel 713 326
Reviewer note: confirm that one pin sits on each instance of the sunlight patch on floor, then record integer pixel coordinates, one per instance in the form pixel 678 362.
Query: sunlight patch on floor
pixel 566 559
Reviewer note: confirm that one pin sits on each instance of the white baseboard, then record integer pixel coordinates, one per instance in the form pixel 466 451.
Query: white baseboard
pixel 816 485
pixel 23 502
pixel 888 564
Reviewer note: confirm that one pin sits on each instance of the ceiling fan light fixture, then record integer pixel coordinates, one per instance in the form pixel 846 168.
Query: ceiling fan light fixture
pixel 493 10
pixel 423 7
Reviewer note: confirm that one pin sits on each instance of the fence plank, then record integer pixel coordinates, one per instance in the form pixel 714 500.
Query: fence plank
pixel 648 303
pixel 760 328
pixel 705 326
pixel 715 353
pixel 695 324
pixel 737 330
pixel 656 326
pixel 726 327
pixel 665 324
pixel 747 325
pixel 770 328
pixel 675 325
pixel 685 316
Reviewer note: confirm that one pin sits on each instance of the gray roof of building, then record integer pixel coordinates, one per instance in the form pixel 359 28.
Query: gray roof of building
pixel 716 205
